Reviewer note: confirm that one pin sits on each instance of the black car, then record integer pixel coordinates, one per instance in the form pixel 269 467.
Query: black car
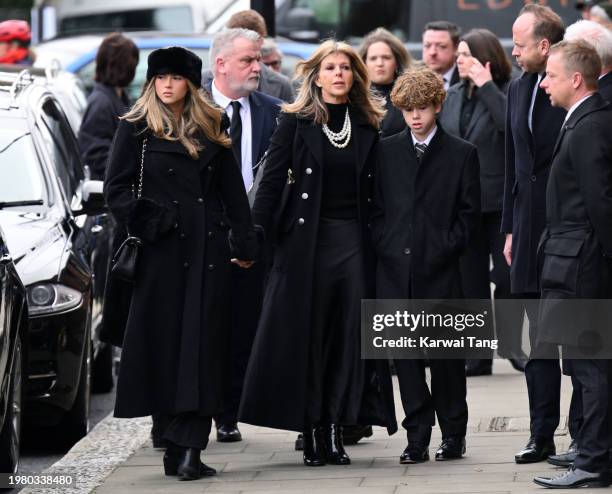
pixel 51 218
pixel 13 334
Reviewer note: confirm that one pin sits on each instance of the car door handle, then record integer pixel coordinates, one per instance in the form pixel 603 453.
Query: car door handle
pixel 5 258
pixel 97 229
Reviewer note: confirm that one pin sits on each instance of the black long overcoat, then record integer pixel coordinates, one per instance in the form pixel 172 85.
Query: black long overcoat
pixel 425 215
pixel 175 353
pixel 276 379
pixel 576 245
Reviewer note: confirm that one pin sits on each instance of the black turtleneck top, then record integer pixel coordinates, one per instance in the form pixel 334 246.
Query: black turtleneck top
pixel 339 197
pixel 393 121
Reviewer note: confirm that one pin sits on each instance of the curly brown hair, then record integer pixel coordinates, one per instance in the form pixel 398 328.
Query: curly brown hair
pixel 416 88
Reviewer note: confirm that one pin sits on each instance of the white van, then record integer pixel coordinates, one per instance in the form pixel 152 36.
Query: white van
pixel 82 16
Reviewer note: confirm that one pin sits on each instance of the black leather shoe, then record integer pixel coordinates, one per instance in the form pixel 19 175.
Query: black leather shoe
pixel 479 367
pixel 188 467
pixel 228 433
pixel 171 459
pixel 313 448
pixel 573 478
pixel 566 458
pixel 452 448
pixel 536 450
pixel 299 443
pixel 352 434
pixel 334 445
pixel 414 454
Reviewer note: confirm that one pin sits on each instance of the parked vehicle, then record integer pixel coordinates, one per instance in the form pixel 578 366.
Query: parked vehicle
pixel 53 230
pixel 13 347
pixel 83 64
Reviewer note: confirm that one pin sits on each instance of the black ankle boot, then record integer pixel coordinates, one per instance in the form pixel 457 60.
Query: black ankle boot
pixel 171 461
pixel 188 464
pixel 313 448
pixel 334 446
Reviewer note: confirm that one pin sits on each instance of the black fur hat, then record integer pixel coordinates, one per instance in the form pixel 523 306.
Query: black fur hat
pixel 175 60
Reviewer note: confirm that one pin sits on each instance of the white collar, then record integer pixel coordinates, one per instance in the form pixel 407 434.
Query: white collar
pixel 576 105
pixel 428 139
pixel 223 101
pixel 448 76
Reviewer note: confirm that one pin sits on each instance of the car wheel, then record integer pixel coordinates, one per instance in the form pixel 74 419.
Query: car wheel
pixel 75 424
pixel 10 436
pixel 102 379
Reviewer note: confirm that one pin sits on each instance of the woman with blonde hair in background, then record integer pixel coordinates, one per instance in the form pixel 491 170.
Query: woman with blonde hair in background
pixel 171 181
pixel 306 373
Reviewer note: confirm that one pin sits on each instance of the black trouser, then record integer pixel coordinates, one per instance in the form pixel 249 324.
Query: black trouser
pixel 188 430
pixel 246 300
pixel 447 398
pixel 476 278
pixel 595 436
pixel 335 375
pixel 543 377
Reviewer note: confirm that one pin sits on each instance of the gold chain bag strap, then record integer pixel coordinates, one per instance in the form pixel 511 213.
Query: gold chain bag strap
pixel 123 263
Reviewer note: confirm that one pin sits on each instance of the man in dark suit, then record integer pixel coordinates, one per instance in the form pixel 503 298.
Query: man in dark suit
pixel 601 39
pixel 235 59
pixel 577 247
pixel 440 42
pixel 532 126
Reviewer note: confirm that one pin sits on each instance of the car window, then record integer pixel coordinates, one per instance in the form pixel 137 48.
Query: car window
pixel 61 143
pixel 21 177
pixel 87 72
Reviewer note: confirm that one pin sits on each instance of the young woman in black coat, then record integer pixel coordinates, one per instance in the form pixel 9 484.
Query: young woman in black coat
pixel 175 353
pixel 386 58
pixel 474 110
pixel 305 373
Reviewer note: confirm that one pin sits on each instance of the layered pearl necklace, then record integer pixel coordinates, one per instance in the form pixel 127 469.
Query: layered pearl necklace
pixel 339 139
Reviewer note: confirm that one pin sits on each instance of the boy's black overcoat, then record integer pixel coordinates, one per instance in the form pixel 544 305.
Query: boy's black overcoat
pixel 175 353
pixel 425 215
pixel 276 379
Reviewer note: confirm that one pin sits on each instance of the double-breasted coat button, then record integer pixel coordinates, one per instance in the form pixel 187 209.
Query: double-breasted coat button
pixel 406 251
pixel 301 221
pixel 175 202
pixel 533 178
pixel 209 168
pixel 369 175
pixel 308 171
pixel 369 199
pixel 182 236
pixel 185 265
pixel 200 200
pixel 304 195
pixel 211 267
pixel 170 171
pixel 175 226
pixel 211 234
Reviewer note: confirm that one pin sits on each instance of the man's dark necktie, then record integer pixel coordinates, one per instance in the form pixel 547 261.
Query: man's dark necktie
pixel 236 132
pixel 420 149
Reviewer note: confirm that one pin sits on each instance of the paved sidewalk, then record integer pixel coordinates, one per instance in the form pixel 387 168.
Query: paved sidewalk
pixel 266 462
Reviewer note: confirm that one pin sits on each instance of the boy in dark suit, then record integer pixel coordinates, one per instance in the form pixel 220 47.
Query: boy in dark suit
pixel 427 206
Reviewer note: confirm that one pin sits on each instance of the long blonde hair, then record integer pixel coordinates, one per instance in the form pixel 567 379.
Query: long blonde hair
pixel 309 102
pixel 199 115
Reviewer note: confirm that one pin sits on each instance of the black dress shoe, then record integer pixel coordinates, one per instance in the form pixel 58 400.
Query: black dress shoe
pixel 188 467
pixel 573 478
pixel 171 460
pixel 479 367
pixel 299 442
pixel 566 458
pixel 352 434
pixel 228 433
pixel 536 450
pixel 414 454
pixel 334 445
pixel 313 447
pixel 452 448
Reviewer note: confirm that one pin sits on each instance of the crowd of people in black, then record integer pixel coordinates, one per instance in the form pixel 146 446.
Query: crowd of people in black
pixel 373 176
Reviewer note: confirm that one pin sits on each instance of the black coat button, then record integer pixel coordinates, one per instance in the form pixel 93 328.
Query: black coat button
pixel 200 200
pixel 182 236
pixel 186 265
pixel 407 251
pixel 175 202
pixel 170 171
pixel 209 168
pixel 533 178
pixel 175 226
pixel 211 267
pixel 211 234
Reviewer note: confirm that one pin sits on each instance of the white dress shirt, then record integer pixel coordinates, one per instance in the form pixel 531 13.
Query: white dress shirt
pixel 448 76
pixel 427 139
pixel 533 98
pixel 246 141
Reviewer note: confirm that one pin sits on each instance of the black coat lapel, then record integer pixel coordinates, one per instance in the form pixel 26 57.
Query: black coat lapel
pixel 313 137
